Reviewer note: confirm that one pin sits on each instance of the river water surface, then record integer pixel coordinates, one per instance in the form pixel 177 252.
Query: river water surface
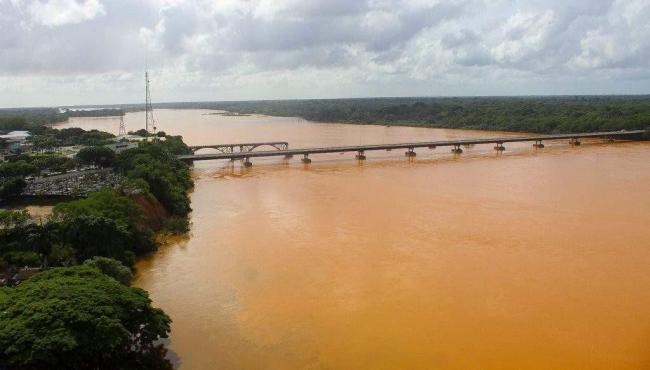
pixel 533 259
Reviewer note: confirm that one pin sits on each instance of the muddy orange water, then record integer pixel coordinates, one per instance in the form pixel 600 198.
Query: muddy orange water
pixel 534 259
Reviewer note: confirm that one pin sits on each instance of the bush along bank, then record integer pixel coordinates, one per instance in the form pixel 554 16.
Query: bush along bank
pixel 86 251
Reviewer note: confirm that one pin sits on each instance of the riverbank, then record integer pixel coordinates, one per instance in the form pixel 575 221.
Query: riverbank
pixel 145 191
pixel 79 259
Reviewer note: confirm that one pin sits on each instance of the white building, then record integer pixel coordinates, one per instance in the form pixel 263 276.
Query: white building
pixel 13 142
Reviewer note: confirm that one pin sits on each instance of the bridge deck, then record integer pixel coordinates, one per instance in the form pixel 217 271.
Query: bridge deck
pixel 363 148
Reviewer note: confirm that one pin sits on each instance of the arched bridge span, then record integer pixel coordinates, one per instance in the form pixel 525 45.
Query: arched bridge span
pixel 241 147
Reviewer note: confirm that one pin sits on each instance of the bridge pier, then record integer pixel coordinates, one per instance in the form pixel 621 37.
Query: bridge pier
pixel 499 147
pixel 456 149
pixel 306 159
pixel 410 153
pixel 247 163
pixel 574 141
pixel 538 144
pixel 360 155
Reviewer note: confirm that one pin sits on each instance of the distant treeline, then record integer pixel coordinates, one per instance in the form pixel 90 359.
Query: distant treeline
pixel 31 118
pixel 28 118
pixel 106 112
pixel 557 114
pixel 529 114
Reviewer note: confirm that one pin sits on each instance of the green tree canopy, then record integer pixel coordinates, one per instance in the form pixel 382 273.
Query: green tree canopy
pixel 104 224
pixel 100 236
pixel 97 155
pixel 112 268
pixel 17 168
pixel 79 318
pixel 105 203
pixel 10 219
pixel 168 178
pixel 13 123
pixel 12 187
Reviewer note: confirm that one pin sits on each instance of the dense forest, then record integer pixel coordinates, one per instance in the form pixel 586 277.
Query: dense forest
pixel 555 114
pixel 34 118
pixel 527 114
pixel 29 118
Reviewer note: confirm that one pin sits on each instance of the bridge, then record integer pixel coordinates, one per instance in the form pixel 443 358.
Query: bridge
pixel 573 139
pixel 243 147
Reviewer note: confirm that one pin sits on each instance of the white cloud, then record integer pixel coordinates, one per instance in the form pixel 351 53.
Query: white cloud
pixel 55 13
pixel 238 49
pixel 524 35
pixel 621 41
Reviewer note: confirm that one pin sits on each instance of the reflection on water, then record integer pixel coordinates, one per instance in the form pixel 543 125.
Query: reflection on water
pixel 525 260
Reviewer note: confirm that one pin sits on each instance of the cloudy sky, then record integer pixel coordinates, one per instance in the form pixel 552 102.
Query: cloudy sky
pixel 63 52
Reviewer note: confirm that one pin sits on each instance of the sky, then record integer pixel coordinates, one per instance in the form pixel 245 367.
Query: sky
pixel 90 52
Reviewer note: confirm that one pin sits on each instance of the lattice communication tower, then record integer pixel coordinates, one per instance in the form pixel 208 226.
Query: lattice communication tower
pixel 150 123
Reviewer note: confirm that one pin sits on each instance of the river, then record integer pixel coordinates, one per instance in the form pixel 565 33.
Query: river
pixel 530 259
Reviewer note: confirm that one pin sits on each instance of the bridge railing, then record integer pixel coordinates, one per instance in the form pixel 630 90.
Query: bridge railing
pixel 361 149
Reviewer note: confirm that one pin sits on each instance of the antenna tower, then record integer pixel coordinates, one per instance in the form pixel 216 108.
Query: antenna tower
pixel 122 131
pixel 150 123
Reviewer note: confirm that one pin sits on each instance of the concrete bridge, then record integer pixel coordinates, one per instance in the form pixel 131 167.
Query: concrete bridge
pixel 573 139
pixel 243 147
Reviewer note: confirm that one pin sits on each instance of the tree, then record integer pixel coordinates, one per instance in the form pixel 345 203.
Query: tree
pixel 106 203
pixel 13 123
pixel 79 318
pixel 43 142
pixel 177 225
pixel 17 168
pixel 4 296
pixel 104 224
pixel 12 187
pixel 100 236
pixel 141 132
pixel 112 268
pixel 22 258
pixel 10 219
pixel 97 155
pixel 62 255
pixel 168 178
